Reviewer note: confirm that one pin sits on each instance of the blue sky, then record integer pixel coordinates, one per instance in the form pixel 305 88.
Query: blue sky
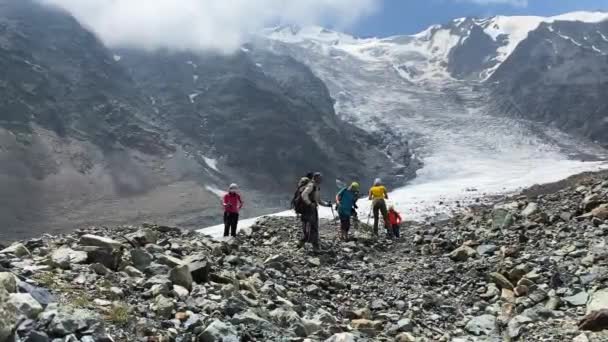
pixel 412 16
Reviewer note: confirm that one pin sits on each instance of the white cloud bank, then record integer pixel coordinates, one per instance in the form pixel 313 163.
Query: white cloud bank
pixel 219 25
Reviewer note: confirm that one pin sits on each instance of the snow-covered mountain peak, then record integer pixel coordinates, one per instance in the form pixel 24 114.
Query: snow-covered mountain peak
pixel 436 52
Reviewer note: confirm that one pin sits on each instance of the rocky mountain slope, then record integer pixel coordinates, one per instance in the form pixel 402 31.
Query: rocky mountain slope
pixel 526 268
pixel 558 75
pixel 92 135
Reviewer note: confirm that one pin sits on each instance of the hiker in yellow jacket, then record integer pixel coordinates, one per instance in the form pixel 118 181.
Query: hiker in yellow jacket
pixel 378 195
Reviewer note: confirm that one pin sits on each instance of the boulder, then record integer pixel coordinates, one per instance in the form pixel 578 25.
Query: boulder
pixel 133 272
pixel 141 259
pixel 168 260
pixel 64 257
pixel 590 202
pixel 501 219
pixel 8 282
pixel 200 271
pixel 64 321
pixel 594 321
pixel 531 209
pixel 99 241
pixel 462 253
pixel 218 331
pixel 578 299
pixel 482 325
pixel 8 319
pixel 285 317
pixel 143 237
pixel 163 307
pixel 598 300
pixel 17 249
pixel 180 275
pixel 110 258
pixel 25 304
pixel 501 281
pixel 487 249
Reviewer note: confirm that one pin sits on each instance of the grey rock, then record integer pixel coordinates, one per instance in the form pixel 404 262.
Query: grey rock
pixel 514 326
pixel 501 219
pixel 157 269
pixel 36 336
pixel 578 299
pixel 64 257
pixel 249 318
pixel 163 306
pixel 65 321
pixel 462 253
pixel 285 317
pixel 8 319
pixel 405 325
pixel 168 260
pixel 17 249
pixel 99 269
pixel 487 249
pixel 8 282
pixel 180 275
pixel 25 304
pixel 378 304
pixel 99 241
pixel 158 280
pixel 598 300
pixel 110 258
pixel 218 331
pixel 200 271
pixel 482 325
pixel 531 209
pixel 590 202
pixel 180 292
pixel 133 272
pixel 143 237
pixel 141 259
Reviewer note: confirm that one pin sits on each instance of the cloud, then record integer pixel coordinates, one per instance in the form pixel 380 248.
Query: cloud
pixel 515 3
pixel 220 25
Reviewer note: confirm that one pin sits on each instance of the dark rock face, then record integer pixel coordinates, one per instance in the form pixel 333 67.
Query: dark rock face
pixel 473 55
pixel 559 76
pixel 270 120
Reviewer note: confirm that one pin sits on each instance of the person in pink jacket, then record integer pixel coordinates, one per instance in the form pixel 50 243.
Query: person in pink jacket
pixel 232 205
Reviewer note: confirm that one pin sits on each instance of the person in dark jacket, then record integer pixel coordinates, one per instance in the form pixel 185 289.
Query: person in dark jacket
pixel 346 200
pixel 232 205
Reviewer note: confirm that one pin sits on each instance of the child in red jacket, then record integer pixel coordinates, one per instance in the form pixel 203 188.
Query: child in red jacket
pixel 395 220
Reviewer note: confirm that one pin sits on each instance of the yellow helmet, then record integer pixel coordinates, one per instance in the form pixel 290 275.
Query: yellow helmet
pixel 354 186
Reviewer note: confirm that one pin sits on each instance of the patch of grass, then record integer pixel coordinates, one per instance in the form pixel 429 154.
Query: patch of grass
pixel 46 279
pixel 81 300
pixel 119 314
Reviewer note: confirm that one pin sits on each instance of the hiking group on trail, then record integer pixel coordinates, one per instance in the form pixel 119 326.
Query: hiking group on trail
pixel 306 201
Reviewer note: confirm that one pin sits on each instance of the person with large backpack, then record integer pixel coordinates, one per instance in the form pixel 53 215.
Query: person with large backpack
pixel 346 201
pixel 378 195
pixel 311 196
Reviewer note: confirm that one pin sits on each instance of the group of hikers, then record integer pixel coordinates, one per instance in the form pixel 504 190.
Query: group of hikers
pixel 306 202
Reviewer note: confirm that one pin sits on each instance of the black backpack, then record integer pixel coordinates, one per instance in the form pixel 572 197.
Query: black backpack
pixel 297 203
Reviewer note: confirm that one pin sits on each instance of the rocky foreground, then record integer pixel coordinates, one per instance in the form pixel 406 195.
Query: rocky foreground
pixel 528 268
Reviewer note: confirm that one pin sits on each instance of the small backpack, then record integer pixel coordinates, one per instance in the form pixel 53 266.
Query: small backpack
pixel 297 203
